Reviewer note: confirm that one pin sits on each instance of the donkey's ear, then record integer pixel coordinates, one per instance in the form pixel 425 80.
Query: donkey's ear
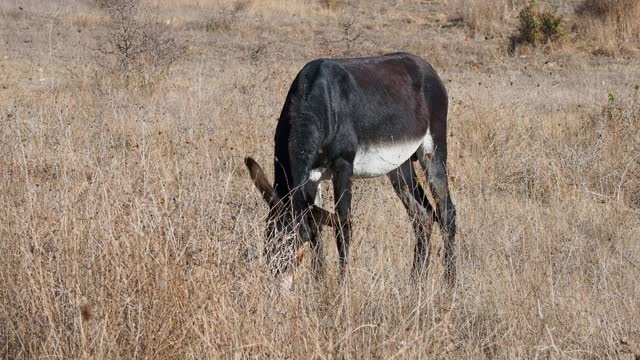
pixel 260 180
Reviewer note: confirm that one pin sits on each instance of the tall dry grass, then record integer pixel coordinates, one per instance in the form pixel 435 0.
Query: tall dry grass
pixel 609 20
pixel 484 16
pixel 125 214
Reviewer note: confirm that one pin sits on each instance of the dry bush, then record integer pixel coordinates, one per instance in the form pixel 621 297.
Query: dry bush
pixel 611 22
pixel 142 50
pixel 348 42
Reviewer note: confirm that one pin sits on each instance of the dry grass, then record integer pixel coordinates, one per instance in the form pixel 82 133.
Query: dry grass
pixel 485 16
pixel 125 214
pixel 611 22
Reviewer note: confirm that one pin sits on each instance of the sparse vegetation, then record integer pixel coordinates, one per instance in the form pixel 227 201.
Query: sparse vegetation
pixel 611 22
pixel 127 218
pixel 334 5
pixel 484 16
pixel 617 140
pixel 616 10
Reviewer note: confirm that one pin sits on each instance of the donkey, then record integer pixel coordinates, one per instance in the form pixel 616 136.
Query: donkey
pixel 357 118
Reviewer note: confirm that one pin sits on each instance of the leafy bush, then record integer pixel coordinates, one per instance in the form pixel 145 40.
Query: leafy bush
pixel 529 26
pixel 553 26
pixel 537 27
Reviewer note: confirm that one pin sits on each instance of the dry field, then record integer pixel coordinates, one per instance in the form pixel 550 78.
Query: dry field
pixel 127 218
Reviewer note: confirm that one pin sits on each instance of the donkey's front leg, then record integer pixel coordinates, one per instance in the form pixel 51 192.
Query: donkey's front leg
pixel 314 191
pixel 342 195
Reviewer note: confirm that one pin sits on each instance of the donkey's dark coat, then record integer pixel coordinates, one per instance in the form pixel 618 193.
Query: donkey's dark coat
pixel 338 108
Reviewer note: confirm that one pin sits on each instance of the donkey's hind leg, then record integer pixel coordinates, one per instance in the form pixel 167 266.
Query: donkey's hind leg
pixel 436 172
pixel 342 184
pixel 405 183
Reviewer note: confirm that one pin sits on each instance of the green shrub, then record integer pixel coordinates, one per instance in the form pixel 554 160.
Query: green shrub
pixel 537 27
pixel 552 26
pixel 529 27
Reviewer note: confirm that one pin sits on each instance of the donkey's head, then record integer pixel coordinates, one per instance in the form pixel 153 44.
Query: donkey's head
pixel 287 228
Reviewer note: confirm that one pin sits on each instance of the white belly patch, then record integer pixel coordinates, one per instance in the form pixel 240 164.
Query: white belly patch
pixel 377 160
pixel 380 159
